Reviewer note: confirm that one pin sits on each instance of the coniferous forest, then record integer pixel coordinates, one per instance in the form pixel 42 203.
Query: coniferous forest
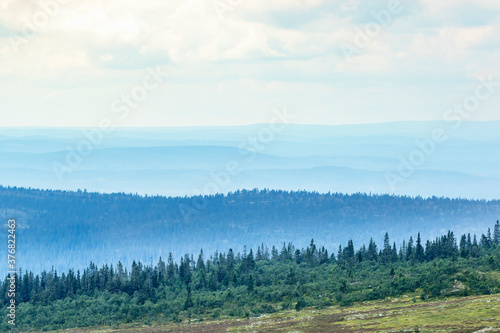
pixel 257 281
pixel 69 229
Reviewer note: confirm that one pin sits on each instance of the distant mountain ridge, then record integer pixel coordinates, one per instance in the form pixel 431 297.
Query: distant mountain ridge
pixel 181 161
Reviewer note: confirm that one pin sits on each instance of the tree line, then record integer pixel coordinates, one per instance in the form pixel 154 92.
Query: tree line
pixel 111 223
pixel 254 282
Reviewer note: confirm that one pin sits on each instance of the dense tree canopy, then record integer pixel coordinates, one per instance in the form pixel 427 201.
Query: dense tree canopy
pixel 248 283
pixel 67 229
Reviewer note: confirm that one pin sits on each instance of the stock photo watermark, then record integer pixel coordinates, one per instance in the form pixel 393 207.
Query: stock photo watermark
pixel 122 107
pixel 249 148
pixel 224 6
pixel 454 116
pixel 371 30
pixel 11 272
pixel 39 20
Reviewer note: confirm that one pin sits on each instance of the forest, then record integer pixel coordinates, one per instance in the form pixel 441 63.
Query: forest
pixel 256 281
pixel 69 229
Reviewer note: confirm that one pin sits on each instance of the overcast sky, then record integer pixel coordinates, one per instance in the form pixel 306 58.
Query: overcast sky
pixel 230 62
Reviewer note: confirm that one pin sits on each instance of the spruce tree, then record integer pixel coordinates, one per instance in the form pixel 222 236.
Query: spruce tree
pixel 419 250
pixel 200 264
pixel 372 251
pixel 387 249
pixel 189 301
pixel 496 234
pixel 170 267
pixel 409 250
pixel 394 253
pixel 250 283
pixel 464 251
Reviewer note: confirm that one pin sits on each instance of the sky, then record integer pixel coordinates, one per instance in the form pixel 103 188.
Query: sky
pixel 232 62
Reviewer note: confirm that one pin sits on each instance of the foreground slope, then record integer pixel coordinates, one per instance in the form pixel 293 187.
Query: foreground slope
pixel 402 314
pixel 243 286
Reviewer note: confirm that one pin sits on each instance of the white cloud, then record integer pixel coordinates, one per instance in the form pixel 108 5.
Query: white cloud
pixel 106 57
pixel 259 51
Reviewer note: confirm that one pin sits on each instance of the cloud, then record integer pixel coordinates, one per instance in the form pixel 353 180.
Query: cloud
pixel 94 50
pixel 106 57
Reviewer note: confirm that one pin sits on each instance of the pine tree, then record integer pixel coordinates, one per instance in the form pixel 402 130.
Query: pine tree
pixel 162 270
pixel 251 260
pixel 475 248
pixel 394 253
pixel 484 243
pixel 410 250
pixel 135 276
pixel 496 234
pixel 200 264
pixel 386 252
pixel 189 301
pixel 274 253
pixel 298 257
pixel 419 250
pixel 372 251
pixel 250 283
pixel 349 252
pixel 464 251
pixel 402 251
pixel 291 278
pixel 170 267
pixel 230 260
pixel 340 258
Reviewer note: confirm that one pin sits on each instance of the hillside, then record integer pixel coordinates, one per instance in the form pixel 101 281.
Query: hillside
pixel 264 281
pixel 473 314
pixel 68 229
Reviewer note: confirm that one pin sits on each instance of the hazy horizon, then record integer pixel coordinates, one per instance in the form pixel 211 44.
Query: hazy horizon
pixel 404 158
pixel 249 124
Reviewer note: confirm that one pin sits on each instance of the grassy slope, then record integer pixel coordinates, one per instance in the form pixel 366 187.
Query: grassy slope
pixel 402 314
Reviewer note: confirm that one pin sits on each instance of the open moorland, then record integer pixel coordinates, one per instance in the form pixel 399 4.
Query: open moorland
pixel 403 314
